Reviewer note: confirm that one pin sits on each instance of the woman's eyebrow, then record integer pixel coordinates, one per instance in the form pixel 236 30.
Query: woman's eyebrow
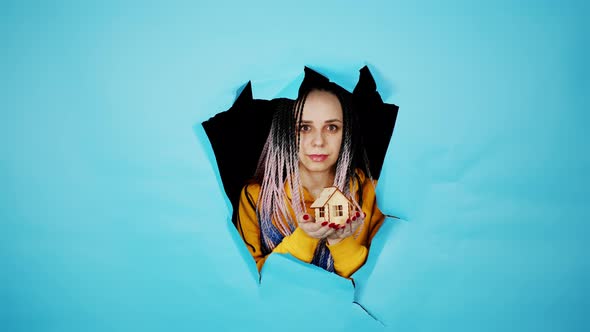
pixel 327 121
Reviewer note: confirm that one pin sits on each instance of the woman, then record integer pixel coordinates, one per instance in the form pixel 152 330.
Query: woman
pixel 312 145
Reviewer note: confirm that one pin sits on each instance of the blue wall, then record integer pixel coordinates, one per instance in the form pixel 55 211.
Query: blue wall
pixel 111 213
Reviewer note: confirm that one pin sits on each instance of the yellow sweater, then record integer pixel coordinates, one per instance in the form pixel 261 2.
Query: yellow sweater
pixel 349 254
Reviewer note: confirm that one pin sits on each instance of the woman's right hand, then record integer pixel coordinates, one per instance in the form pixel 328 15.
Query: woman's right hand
pixel 348 229
pixel 316 230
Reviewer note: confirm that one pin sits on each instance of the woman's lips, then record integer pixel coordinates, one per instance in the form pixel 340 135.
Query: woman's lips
pixel 318 157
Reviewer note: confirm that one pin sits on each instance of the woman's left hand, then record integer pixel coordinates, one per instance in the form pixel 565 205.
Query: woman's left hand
pixel 347 229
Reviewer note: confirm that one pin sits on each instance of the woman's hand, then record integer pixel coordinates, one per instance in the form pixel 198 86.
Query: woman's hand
pixel 341 232
pixel 316 230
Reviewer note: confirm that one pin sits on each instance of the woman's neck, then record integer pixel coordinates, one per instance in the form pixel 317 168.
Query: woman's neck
pixel 315 182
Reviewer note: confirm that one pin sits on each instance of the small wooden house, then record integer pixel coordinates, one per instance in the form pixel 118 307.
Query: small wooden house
pixel 332 206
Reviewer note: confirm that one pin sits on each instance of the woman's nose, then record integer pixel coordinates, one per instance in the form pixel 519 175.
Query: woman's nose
pixel 318 139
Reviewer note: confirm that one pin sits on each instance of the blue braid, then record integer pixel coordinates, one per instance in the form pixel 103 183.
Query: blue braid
pixel 274 236
pixel 322 257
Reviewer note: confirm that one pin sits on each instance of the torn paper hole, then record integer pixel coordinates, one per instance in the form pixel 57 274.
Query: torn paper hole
pixel 238 136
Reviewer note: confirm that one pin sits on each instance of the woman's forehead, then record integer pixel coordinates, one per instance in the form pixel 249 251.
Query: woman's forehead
pixel 321 105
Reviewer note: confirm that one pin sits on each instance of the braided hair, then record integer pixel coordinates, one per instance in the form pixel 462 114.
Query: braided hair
pixel 278 167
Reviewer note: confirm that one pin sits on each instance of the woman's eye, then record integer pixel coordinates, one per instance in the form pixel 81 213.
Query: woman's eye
pixel 332 128
pixel 304 128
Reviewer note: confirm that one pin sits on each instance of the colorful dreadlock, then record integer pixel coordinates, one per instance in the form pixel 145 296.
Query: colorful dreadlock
pixel 279 165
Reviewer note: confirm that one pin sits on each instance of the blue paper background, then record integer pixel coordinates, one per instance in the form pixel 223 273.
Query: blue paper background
pixel 112 217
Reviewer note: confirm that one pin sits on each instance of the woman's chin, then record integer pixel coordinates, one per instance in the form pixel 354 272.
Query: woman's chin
pixel 317 167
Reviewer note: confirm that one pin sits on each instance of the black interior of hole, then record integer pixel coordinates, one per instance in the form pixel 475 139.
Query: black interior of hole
pixel 237 135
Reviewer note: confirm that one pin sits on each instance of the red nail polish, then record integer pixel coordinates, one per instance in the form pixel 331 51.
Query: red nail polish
pixel 348 221
pixel 353 218
pixel 332 225
pixel 324 223
pixel 306 216
pixel 358 214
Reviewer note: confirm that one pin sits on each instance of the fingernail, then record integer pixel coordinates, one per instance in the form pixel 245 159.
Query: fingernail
pixel 324 223
pixel 353 218
pixel 306 216
pixel 358 214
pixel 342 226
pixel 348 221
pixel 332 225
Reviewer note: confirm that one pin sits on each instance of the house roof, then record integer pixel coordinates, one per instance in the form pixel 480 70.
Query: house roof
pixel 325 196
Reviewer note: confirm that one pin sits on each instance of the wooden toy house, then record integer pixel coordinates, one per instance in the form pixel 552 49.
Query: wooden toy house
pixel 332 206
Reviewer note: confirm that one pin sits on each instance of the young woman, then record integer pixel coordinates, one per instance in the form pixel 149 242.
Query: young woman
pixel 312 145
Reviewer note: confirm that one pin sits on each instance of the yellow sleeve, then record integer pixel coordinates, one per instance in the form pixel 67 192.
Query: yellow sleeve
pixel 377 219
pixel 348 255
pixel 298 244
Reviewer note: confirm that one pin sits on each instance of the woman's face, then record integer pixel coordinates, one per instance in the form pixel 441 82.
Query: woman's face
pixel 320 133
